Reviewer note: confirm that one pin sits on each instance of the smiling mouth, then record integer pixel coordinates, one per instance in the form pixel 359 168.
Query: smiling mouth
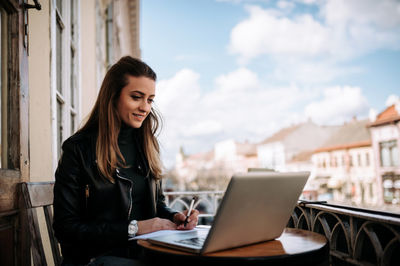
pixel 139 116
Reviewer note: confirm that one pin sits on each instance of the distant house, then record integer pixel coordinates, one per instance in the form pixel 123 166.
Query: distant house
pixel 385 133
pixel 238 157
pixel 188 167
pixel 211 170
pixel 290 149
pixel 346 162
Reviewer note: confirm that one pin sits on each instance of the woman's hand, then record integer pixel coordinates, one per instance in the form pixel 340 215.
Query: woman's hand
pixel 154 224
pixel 179 220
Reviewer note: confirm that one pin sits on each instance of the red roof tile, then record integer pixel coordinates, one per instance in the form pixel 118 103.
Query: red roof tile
pixel 389 115
pixel 345 146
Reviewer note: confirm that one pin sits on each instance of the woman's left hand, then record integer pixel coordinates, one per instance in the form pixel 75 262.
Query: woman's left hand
pixel 179 219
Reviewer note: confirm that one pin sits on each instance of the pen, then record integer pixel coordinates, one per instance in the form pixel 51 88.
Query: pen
pixel 190 210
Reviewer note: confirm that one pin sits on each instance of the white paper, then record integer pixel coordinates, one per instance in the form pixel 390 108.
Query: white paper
pixel 166 232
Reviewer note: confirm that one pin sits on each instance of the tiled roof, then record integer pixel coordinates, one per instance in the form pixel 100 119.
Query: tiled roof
pixel 389 115
pixel 301 137
pixel 302 156
pixel 350 135
pixel 246 149
pixel 281 134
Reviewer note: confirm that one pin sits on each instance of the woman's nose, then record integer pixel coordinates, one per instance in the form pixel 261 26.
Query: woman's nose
pixel 145 106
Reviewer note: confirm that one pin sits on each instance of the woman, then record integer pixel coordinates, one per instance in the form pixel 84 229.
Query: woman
pixel 108 180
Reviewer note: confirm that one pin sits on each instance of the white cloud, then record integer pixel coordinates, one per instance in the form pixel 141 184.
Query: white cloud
pixel 245 106
pixel 240 106
pixel 268 32
pixel 175 95
pixel 179 101
pixel 308 2
pixel 205 127
pixel 392 99
pixel 344 29
pixel 372 114
pixel 238 80
pixel 383 14
pixel 339 104
pixel 282 4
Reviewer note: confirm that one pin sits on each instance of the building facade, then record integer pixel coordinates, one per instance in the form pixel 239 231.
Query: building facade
pixel 290 148
pixel 72 44
pixel 53 59
pixel 346 163
pixel 385 133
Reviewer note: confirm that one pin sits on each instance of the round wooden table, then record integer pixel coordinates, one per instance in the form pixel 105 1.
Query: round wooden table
pixel 293 247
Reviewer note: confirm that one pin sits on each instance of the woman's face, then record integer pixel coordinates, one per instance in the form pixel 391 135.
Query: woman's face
pixel 134 103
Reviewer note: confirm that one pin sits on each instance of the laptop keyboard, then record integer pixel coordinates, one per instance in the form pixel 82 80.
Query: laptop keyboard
pixel 195 241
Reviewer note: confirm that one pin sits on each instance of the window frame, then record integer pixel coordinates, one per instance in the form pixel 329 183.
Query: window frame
pixel 14 227
pixel 4 55
pixel 70 111
pixel 17 106
pixel 390 145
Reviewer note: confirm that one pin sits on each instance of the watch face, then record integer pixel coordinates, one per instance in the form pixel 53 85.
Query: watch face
pixel 132 228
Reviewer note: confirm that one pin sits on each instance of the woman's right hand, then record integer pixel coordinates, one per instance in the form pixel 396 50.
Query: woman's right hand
pixel 154 224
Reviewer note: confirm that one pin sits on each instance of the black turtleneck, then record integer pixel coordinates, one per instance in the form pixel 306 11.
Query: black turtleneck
pixel 134 171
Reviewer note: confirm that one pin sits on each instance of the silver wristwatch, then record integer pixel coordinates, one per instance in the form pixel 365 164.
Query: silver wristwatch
pixel 133 228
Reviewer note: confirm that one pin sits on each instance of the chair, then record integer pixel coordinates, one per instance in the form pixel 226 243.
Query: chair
pixel 37 195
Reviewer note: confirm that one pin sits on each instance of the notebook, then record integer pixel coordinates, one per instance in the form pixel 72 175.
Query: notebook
pixel 256 207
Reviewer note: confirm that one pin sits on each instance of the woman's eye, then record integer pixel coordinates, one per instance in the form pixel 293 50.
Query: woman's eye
pixel 135 97
pixel 150 100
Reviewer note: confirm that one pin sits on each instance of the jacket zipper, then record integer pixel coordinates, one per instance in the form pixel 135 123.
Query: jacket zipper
pixel 86 195
pixel 130 192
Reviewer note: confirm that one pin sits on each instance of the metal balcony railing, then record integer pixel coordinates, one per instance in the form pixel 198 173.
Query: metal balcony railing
pixel 207 202
pixel 356 236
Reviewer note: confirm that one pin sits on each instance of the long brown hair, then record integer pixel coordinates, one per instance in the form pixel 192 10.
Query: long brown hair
pixel 104 117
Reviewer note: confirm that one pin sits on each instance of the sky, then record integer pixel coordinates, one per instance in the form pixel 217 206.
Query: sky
pixel 244 69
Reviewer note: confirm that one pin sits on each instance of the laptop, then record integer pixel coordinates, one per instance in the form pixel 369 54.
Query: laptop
pixel 256 207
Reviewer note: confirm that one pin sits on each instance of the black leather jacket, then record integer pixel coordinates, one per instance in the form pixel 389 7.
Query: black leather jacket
pixel 91 214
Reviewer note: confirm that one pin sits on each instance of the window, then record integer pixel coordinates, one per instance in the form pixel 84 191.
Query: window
pixel 66 71
pixel 104 39
pixel 4 89
pixel 371 190
pixel 109 36
pixel 73 68
pixel 389 153
pixel 351 160
pixel 359 159
pixel 59 74
pixel 59 5
pixel 391 188
pixel 333 161
pixel 367 159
